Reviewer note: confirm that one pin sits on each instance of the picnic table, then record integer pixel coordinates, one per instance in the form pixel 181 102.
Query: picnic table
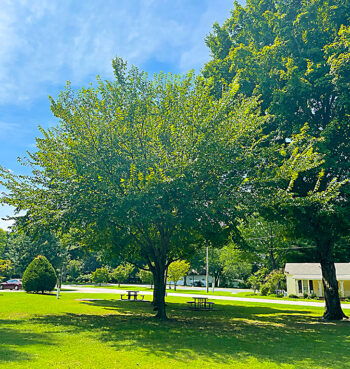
pixel 200 303
pixel 132 296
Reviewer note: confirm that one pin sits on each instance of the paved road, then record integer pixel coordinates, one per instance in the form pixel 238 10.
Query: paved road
pixel 212 297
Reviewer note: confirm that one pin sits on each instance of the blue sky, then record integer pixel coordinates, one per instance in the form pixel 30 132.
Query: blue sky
pixel 45 43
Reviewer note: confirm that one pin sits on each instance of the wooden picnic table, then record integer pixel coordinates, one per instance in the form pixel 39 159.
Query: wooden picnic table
pixel 200 303
pixel 132 296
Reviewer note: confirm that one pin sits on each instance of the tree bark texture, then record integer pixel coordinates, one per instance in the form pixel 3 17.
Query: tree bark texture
pixel 333 310
pixel 159 276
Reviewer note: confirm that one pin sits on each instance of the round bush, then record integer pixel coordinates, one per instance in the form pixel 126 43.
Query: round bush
pixel 40 276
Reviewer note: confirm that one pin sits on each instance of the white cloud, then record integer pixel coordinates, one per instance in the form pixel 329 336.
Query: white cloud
pixel 48 42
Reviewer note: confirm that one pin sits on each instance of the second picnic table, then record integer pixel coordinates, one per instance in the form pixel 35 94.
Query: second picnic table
pixel 200 303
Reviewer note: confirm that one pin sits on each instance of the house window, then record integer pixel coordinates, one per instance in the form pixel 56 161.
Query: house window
pixel 305 287
pixel 300 288
pixel 311 286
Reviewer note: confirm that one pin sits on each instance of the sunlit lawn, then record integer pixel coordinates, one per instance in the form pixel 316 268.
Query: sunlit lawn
pixel 210 292
pixel 41 332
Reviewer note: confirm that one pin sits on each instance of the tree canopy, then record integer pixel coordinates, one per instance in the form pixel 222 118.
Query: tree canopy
pixel 177 270
pixel 295 56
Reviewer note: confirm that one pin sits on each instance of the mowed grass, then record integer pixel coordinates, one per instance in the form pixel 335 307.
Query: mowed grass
pixel 41 332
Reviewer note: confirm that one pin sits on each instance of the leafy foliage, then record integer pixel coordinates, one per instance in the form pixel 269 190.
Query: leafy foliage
pixel 177 270
pixel 100 275
pixel 74 269
pixel 21 249
pixel 295 56
pixel 122 272
pixel 145 276
pixel 3 237
pixel 236 263
pixel 40 276
pixel 276 280
pixel 254 282
pixel 6 268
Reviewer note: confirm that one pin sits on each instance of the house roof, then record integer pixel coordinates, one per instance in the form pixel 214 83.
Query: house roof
pixel 313 270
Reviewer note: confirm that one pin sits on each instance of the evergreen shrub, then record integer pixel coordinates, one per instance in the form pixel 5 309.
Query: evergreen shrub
pixel 40 276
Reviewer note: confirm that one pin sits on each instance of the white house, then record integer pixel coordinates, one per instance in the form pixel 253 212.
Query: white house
pixel 194 280
pixel 307 278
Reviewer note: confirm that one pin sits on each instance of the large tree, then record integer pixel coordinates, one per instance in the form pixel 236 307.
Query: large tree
pixel 149 169
pixel 295 55
pixel 143 167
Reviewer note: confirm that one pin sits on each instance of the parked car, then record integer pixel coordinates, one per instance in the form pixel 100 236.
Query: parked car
pixel 198 284
pixel 11 284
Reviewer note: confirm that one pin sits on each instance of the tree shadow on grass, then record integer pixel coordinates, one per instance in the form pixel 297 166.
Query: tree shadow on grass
pixel 12 339
pixel 232 331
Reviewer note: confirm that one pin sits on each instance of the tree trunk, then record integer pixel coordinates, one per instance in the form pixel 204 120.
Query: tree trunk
pixel 175 287
pixel 272 256
pixel 159 276
pixel 333 310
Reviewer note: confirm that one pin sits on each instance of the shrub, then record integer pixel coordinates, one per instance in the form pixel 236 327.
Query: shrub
pixel 275 281
pixel 314 296
pixel 254 282
pixel 40 276
pixel 292 296
pixel 305 295
pixel 100 275
pixel 264 289
pixel 84 278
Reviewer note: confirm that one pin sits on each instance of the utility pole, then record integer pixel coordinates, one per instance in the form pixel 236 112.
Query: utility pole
pixel 207 272
pixel 59 283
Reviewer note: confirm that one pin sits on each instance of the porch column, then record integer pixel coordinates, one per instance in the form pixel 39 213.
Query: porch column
pixel 320 288
pixel 342 288
pixel 296 287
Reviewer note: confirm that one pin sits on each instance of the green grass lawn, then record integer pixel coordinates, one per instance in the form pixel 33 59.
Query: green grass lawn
pixel 42 332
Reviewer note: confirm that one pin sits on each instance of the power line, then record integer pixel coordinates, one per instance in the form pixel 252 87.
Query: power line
pixel 259 238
